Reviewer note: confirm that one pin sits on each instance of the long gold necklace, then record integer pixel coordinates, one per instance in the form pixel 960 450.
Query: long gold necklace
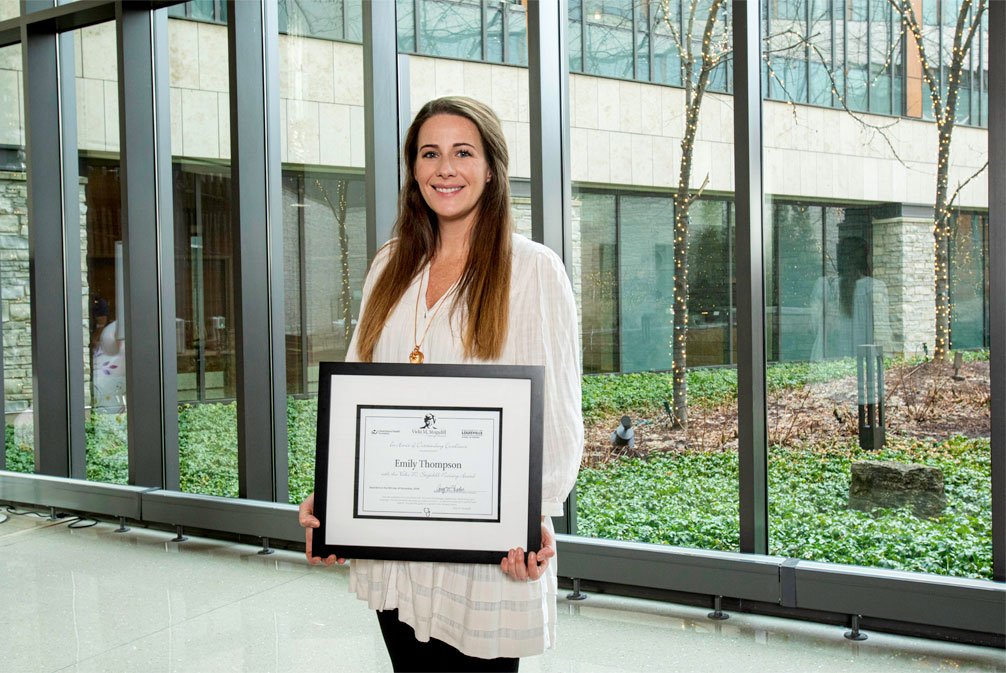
pixel 416 357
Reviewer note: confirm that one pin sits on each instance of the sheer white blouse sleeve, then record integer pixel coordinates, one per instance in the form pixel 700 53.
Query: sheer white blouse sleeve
pixel 544 313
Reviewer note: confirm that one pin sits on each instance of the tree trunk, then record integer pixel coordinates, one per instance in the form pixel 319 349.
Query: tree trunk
pixel 346 297
pixel 682 202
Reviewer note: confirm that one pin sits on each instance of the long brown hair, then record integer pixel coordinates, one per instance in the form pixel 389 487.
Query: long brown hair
pixel 485 282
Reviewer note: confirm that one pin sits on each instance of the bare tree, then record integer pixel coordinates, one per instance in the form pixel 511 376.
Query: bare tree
pixel 338 209
pixel 944 104
pixel 700 54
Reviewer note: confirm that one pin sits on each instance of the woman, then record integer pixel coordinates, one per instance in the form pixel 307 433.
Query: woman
pixel 456 285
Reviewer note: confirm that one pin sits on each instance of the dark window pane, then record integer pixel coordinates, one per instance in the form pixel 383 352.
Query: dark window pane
pixel 599 283
pixel 967 282
pixel 646 280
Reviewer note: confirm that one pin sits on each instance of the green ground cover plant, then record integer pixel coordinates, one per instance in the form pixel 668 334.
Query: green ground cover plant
pixel 690 499
pixel 680 497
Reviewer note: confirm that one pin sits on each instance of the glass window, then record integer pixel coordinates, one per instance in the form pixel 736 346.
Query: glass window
pixel 646 282
pixel 15 303
pixel 858 394
pixel 205 263
pixel 882 46
pixel 711 333
pixel 324 219
pixel 451 28
pixel 406 16
pixel 967 280
pixel 599 282
pixel 101 242
pixel 353 11
pixel 666 36
pixel 821 56
pixel 857 81
pixel 201 10
pixel 676 483
pixel 494 33
pixel 608 51
pixel 516 34
pixel 315 18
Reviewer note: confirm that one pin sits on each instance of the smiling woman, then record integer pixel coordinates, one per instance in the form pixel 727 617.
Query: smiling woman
pixel 511 303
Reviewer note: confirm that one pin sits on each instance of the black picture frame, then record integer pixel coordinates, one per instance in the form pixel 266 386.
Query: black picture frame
pixel 516 391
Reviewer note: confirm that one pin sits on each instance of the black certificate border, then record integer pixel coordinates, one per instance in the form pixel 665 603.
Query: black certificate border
pixel 499 464
pixel 535 374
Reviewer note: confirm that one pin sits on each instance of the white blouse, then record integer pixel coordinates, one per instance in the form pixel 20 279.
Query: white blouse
pixel 474 607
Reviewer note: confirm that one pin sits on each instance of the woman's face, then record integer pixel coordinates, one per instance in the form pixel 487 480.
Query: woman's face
pixel 451 168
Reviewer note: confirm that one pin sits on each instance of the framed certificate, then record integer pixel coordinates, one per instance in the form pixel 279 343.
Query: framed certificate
pixel 428 462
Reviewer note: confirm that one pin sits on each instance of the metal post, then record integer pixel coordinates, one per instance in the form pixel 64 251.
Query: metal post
pixel 548 82
pixel 576 594
pixel 257 234
pixel 854 633
pixel 870 384
pixel 380 108
pixel 57 348
pixel 749 232
pixel 717 612
pixel 148 238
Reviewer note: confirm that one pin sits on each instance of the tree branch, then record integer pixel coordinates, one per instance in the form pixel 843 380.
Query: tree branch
pixel 962 185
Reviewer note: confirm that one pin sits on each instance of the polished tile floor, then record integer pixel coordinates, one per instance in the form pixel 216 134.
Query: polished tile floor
pixel 91 599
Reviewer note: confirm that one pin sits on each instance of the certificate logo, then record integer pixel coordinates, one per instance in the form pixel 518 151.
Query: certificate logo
pixel 471 434
pixel 429 427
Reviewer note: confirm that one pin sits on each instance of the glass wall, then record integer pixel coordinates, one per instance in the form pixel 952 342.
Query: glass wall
pixel 494 31
pixel 204 255
pixel 324 209
pixel 101 253
pixel 15 302
pixel 878 439
pixel 653 275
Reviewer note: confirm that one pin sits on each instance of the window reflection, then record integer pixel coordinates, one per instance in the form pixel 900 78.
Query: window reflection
pixel 204 277
pixel 325 236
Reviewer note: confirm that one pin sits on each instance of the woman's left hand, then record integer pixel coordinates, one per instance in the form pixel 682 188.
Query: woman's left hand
pixel 513 564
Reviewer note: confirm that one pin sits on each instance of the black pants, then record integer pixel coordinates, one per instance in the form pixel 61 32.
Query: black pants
pixel 408 654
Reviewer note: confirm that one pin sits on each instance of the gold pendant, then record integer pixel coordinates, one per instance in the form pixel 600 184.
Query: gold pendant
pixel 416 356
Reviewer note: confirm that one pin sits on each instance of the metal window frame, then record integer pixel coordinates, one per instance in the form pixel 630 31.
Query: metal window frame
pixel 148 242
pixel 749 247
pixel 256 232
pixel 54 242
pixel 383 98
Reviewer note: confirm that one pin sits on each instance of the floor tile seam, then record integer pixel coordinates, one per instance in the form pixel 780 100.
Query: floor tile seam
pixel 6 540
pixel 176 624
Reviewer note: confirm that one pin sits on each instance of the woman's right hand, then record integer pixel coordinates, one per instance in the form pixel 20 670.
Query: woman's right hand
pixel 309 522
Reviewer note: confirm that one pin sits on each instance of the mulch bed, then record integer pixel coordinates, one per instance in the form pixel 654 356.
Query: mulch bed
pixel 924 401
